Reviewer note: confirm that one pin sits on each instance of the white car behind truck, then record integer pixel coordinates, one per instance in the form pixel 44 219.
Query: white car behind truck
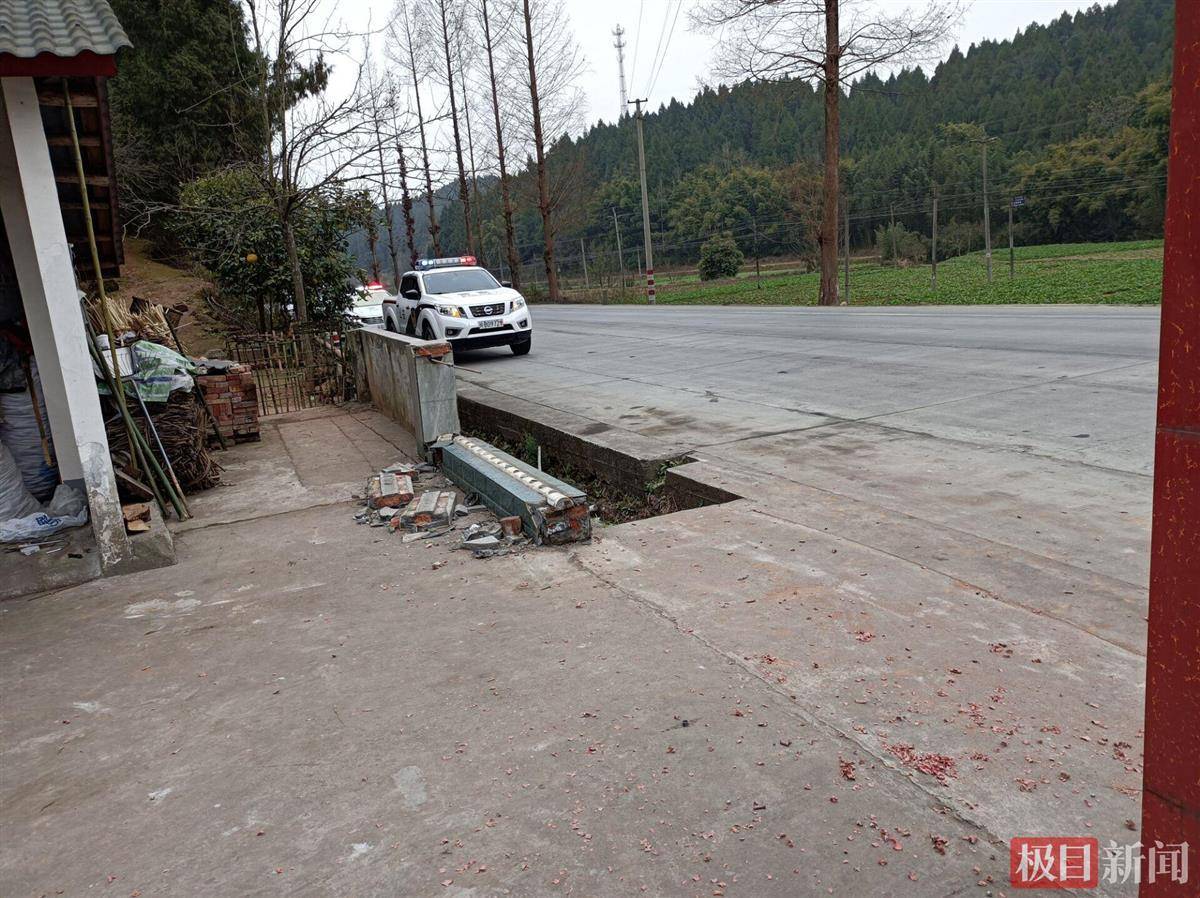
pixel 457 301
pixel 366 305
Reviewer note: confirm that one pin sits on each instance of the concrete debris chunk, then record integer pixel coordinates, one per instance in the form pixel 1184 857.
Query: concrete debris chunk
pixel 425 534
pixel 478 541
pixel 401 467
pixel 388 489
pixel 432 509
pixel 490 540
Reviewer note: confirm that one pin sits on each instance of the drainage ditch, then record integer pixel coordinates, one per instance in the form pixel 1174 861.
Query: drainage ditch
pixel 615 503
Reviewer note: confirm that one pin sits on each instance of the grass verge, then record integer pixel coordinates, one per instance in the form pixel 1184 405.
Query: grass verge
pixel 1117 273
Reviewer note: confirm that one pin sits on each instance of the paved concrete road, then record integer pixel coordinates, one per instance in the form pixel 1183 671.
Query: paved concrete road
pixel 981 418
pixel 1070 382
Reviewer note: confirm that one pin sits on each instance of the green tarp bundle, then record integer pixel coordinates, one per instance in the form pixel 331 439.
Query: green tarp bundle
pixel 158 370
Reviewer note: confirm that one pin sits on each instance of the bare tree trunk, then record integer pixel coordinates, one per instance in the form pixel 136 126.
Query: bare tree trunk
pixel 462 73
pixel 289 240
pixel 434 230
pixel 543 186
pixel 510 240
pixel 464 195
pixel 387 207
pixel 829 206
pixel 373 240
pixel 406 204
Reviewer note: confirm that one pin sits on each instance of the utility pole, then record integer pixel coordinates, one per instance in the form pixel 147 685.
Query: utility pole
pixel 583 255
pixel 645 202
pixel 987 217
pixel 757 270
pixel 1011 264
pixel 935 201
pixel 620 255
pixel 846 258
pixel 892 228
pixel 619 34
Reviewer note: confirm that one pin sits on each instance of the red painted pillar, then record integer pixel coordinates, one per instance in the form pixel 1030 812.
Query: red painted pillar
pixel 1171 800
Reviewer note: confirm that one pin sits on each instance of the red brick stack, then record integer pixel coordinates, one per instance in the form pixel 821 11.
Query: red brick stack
pixel 233 397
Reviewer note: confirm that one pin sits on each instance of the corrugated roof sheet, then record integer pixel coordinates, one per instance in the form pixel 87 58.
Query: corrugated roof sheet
pixel 62 27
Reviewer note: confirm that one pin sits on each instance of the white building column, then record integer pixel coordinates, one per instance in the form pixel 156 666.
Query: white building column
pixel 42 258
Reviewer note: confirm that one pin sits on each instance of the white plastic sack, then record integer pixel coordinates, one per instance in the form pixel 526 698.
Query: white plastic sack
pixel 19 432
pixel 68 508
pixel 15 500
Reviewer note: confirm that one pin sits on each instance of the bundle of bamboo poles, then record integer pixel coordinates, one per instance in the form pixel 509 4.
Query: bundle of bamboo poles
pixel 159 482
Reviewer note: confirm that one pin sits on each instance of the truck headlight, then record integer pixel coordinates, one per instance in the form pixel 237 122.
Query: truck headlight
pixel 518 303
pixel 450 311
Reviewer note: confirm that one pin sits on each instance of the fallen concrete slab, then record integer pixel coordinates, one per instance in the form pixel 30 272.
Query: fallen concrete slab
pixel 550 510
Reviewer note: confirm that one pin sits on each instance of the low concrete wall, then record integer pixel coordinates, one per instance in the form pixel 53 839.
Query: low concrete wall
pixel 624 459
pixel 409 380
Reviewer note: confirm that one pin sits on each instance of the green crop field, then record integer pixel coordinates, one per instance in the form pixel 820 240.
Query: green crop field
pixel 1063 273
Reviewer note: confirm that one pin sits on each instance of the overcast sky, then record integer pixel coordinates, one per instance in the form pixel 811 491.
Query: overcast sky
pixel 683 56
pixel 688 54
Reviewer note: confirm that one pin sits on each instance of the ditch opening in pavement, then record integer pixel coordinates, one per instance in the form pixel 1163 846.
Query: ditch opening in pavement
pixel 615 503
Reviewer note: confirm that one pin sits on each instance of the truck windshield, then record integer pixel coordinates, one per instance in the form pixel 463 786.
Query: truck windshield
pixel 461 281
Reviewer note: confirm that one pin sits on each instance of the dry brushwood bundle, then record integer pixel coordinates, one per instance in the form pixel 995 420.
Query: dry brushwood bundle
pixel 122 321
pixel 151 323
pixel 144 318
pixel 181 426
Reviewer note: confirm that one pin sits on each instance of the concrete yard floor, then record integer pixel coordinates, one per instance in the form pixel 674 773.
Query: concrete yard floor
pixel 306 706
pixel 876 699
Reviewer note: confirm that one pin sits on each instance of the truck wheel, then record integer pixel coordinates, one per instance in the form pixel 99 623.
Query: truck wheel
pixel 523 347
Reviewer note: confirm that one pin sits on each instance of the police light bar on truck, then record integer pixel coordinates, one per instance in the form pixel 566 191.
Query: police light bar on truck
pixel 450 262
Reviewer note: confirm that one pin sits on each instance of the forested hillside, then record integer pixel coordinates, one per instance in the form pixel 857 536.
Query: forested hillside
pixel 1078 110
pixel 235 153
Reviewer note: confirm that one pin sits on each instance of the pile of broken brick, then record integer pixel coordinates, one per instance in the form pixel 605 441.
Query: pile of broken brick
pixel 392 501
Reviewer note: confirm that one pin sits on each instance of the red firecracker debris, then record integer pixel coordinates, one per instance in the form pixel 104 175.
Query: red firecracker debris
pixel 940 767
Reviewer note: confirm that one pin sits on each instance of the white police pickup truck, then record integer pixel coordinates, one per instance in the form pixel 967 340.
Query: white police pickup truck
pixel 455 300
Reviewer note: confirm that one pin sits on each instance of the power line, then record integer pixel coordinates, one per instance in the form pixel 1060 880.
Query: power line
pixel 666 47
pixel 637 40
pixel 662 32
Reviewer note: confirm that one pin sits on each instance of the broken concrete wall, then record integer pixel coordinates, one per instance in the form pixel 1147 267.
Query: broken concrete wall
pixel 622 458
pixel 409 380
